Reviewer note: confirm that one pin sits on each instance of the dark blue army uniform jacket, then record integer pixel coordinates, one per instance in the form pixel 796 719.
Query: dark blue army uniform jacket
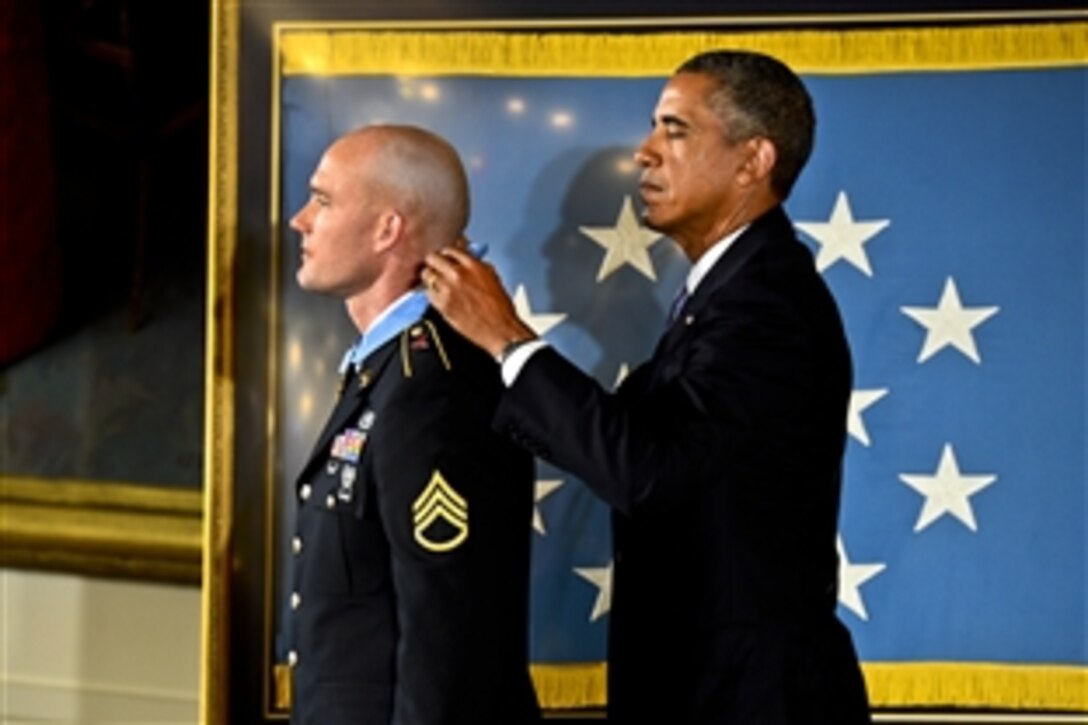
pixel 411 556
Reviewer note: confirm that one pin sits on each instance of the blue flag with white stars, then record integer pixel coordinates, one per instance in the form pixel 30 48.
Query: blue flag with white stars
pixel 946 211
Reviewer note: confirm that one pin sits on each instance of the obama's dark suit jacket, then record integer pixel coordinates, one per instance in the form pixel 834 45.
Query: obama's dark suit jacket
pixel 721 458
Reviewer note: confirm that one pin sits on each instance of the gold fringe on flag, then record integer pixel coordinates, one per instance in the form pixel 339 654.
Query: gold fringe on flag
pixel 891 685
pixel 281 687
pixel 359 51
pixel 570 686
pixel 977 684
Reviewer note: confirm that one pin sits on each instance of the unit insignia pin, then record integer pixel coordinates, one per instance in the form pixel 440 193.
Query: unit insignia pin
pixel 418 338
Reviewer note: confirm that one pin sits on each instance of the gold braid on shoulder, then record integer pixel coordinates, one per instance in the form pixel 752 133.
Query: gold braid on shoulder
pixel 419 337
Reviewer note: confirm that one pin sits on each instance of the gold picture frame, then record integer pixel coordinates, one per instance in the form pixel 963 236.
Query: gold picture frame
pixel 250 49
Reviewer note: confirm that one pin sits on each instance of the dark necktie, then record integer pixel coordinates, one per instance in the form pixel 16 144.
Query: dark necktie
pixel 345 378
pixel 677 305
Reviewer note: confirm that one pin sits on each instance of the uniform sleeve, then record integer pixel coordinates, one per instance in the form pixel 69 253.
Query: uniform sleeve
pixel 458 533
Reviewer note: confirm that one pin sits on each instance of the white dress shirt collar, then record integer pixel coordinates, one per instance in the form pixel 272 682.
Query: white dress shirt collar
pixel 706 262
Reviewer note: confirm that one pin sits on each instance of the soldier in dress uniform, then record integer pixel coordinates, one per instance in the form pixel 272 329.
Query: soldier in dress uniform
pixel 411 554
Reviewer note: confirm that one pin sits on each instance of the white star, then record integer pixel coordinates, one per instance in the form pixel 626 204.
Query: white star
pixel 840 237
pixel 626 243
pixel 859 401
pixel 543 488
pixel 949 323
pixel 947 491
pixel 624 371
pixel 851 577
pixel 540 323
pixel 600 577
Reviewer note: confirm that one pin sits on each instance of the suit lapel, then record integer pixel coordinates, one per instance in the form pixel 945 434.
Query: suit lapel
pixel 761 233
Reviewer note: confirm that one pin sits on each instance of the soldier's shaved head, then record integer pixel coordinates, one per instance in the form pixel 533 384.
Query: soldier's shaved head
pixel 420 175
pixel 381 198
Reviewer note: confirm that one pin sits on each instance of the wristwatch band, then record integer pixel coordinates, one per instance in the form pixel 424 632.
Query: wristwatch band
pixel 509 348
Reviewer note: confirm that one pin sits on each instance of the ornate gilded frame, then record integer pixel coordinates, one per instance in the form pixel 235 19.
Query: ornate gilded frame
pixel 232 573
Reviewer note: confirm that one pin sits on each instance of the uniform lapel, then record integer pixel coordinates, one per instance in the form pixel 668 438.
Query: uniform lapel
pixel 356 392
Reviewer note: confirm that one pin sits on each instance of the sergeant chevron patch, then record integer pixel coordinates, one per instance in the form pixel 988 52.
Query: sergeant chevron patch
pixel 440 516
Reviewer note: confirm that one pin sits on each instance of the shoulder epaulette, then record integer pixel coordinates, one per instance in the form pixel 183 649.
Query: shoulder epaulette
pixel 417 338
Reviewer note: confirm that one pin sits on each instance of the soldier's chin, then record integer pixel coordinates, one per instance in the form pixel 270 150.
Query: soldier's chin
pixel 303 280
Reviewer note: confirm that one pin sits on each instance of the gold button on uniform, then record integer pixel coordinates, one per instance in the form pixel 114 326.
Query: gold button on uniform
pixel 330 501
pixel 305 491
pixel 296 545
pixel 296 600
pixel 292 658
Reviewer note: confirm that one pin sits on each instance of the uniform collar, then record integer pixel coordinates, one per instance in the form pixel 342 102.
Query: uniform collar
pixel 405 310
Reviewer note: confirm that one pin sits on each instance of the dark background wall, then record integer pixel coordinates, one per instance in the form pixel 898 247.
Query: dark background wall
pixel 102 239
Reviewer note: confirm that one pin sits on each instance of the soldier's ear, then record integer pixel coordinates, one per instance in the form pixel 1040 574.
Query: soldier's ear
pixel 389 230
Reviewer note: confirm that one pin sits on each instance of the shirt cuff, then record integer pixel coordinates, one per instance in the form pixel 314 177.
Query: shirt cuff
pixel 511 366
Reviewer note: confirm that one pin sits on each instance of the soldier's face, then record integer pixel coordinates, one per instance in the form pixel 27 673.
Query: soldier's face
pixel 337 225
